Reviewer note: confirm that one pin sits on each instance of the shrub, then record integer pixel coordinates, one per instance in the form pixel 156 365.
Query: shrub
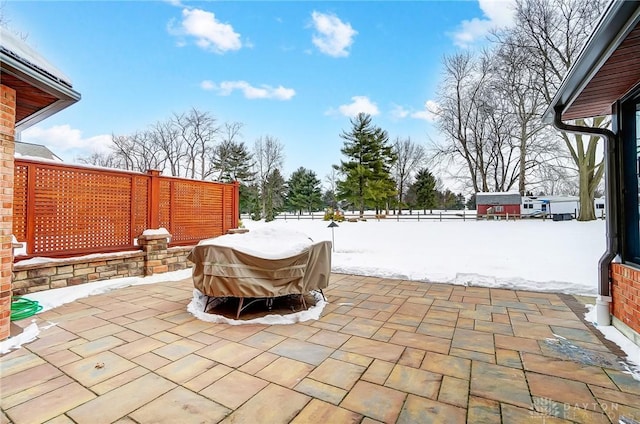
pixel 335 215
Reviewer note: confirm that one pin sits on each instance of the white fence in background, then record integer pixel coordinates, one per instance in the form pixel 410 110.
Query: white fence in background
pixel 418 216
pixel 405 216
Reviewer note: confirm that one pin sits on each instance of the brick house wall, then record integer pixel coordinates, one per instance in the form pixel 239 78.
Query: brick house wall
pixel 625 288
pixel 7 144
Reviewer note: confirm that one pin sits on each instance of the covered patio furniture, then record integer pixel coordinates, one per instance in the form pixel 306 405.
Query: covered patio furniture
pixel 224 271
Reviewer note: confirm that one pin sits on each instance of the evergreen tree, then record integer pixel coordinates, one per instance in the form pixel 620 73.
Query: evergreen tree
pixel 448 200
pixel 233 162
pixel 410 197
pixel 273 195
pixel 471 203
pixel 304 191
pixel 329 199
pixel 250 200
pixel 425 190
pixel 367 178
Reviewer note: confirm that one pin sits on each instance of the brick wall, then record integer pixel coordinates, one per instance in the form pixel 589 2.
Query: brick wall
pixel 7 148
pixel 625 292
pixel 29 278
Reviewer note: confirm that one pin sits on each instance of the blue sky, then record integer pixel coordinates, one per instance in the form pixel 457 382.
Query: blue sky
pixel 296 71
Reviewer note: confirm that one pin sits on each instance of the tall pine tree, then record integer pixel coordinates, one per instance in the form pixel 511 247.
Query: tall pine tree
pixel 366 172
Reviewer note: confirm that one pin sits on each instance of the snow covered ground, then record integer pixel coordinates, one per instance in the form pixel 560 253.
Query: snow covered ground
pixel 527 254
pixel 533 255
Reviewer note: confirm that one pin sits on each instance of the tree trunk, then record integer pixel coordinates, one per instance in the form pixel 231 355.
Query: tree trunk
pixel 523 159
pixel 587 210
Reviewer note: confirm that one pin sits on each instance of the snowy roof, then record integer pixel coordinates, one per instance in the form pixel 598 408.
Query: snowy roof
pixel 498 198
pixel 35 150
pixel 41 88
pixel 21 51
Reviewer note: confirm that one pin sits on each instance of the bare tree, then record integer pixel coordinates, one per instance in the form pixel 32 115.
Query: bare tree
pixel 166 136
pixel 332 180
pixel 123 149
pixel 106 160
pixel 517 84
pixel 197 132
pixel 269 156
pixel 551 34
pixel 556 178
pixel 5 22
pixel 411 157
pixel 184 146
pixel 137 152
pixel 466 115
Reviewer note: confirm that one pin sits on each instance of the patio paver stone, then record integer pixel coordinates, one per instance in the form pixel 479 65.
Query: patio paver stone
pixel 383 351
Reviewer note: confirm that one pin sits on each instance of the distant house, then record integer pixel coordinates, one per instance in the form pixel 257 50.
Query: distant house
pixel 498 204
pixel 35 151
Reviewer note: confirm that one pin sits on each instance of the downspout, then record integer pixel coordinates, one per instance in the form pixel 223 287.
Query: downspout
pixel 603 316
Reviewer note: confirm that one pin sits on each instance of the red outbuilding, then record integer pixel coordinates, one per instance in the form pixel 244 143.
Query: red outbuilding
pixel 498 204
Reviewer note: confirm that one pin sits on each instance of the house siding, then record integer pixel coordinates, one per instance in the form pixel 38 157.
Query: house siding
pixel 506 209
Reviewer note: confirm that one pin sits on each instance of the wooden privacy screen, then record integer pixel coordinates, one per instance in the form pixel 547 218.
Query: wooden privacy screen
pixel 65 210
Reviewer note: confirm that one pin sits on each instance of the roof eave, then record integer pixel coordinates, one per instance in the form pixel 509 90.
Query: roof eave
pixel 618 19
pixel 43 113
pixel 66 95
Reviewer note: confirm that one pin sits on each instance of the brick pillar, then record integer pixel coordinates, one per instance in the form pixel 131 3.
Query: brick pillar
pixel 7 148
pixel 154 247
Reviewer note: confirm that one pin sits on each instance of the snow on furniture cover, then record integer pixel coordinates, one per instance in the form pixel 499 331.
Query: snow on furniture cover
pixel 226 271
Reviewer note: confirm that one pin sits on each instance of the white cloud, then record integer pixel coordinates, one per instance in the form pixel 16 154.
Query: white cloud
pixel 209 33
pixel 359 104
pixel 497 13
pixel 399 112
pixel 225 88
pixel 427 114
pixel 207 85
pixel 66 142
pixel 333 37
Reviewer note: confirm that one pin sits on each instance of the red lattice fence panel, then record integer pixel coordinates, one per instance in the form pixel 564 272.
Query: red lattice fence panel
pixel 66 210
pixel 193 210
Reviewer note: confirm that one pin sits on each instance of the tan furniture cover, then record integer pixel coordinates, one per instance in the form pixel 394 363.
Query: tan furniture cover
pixel 222 271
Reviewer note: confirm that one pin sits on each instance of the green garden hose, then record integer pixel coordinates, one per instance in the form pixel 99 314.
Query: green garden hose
pixel 22 308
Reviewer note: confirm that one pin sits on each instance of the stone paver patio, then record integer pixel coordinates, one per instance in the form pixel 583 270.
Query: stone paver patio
pixel 383 351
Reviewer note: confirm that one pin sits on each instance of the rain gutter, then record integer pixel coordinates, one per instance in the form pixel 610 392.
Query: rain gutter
pixel 611 209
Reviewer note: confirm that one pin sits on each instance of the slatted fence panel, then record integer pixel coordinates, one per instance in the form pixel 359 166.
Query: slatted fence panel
pixel 229 209
pixel 164 207
pixel 66 210
pixel 21 172
pixel 196 211
pixel 79 211
pixel 140 201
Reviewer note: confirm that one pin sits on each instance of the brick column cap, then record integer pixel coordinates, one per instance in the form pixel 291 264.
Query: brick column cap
pixel 159 234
